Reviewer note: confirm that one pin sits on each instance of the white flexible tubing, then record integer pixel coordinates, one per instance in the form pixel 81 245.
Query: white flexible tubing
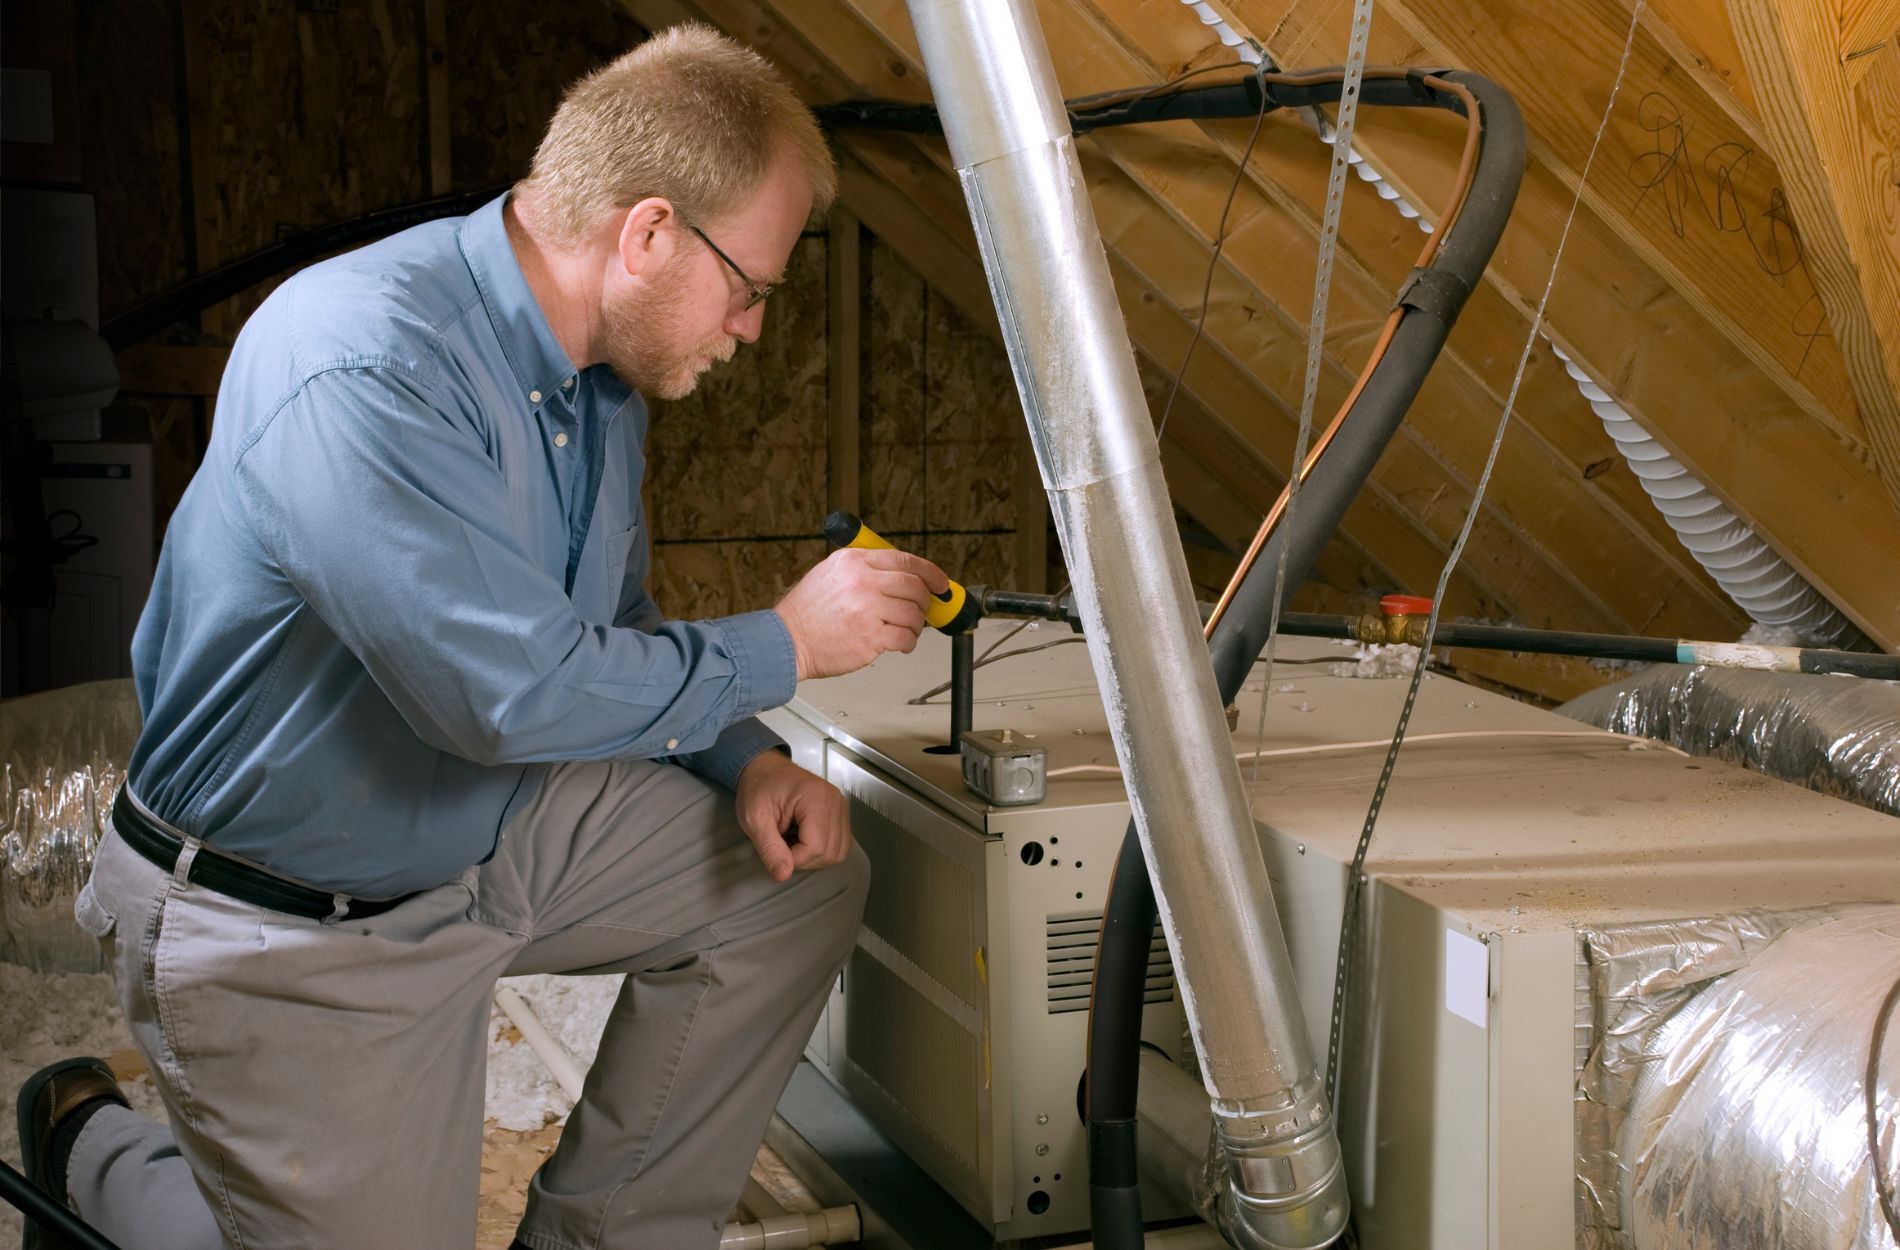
pixel 1760 582
pixel 1325 748
pixel 832 1226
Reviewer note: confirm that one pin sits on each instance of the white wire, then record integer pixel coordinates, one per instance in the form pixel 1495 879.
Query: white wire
pixel 1322 748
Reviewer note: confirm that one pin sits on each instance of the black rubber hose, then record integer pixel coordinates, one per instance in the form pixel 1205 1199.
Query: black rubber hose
pixel 1114 1036
pixel 1876 665
pixel 39 1208
pixel 1121 962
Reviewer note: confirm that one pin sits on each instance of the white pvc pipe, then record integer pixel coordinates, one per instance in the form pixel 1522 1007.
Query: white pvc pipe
pixel 560 1064
pixel 830 1227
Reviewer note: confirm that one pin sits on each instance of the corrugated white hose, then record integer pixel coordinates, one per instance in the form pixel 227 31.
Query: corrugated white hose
pixel 1760 582
pixel 783 1231
pixel 1763 584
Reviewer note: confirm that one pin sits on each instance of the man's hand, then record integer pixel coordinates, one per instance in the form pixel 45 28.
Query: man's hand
pixel 855 605
pixel 796 820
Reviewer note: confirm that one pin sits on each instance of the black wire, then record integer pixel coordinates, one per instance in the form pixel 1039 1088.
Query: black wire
pixel 987 658
pixel 1213 259
pixel 1883 1184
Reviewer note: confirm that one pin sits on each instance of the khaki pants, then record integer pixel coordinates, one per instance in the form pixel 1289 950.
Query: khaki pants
pixel 325 1081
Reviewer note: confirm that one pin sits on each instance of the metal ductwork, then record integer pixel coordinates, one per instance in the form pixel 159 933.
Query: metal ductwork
pixel 1010 139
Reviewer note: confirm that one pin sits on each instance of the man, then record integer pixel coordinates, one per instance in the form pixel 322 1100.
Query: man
pixel 412 722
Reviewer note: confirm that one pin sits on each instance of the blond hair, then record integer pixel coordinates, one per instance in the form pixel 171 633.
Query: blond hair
pixel 688 115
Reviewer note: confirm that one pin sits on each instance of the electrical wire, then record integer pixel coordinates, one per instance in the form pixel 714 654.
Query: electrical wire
pixel 987 658
pixel 1883 1184
pixel 1213 261
pixel 1327 748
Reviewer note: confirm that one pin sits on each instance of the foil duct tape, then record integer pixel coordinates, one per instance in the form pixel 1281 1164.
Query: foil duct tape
pixel 1837 735
pixel 63 755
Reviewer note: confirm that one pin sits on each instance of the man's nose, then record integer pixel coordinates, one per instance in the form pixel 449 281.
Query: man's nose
pixel 746 324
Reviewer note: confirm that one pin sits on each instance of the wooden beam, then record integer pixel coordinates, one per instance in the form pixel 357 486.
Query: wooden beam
pixel 200 149
pixel 1867 26
pixel 1697 33
pixel 844 290
pixel 1677 180
pixel 1838 166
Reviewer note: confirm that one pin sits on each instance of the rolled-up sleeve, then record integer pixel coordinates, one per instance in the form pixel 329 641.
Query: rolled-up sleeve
pixel 380 504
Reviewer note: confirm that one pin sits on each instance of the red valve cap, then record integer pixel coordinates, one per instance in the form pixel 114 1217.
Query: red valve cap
pixel 1405 605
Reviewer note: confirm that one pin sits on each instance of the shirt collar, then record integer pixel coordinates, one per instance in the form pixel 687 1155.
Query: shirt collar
pixel 540 364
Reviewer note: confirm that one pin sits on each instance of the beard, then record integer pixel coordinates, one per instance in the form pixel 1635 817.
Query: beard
pixel 642 332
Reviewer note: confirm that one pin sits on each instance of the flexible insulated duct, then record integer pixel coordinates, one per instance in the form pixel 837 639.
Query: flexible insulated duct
pixel 1010 140
pixel 1760 582
pixel 1760 1119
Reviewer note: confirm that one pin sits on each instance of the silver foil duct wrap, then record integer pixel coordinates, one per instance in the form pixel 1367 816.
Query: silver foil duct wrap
pixel 64 754
pixel 1838 735
pixel 1720 1105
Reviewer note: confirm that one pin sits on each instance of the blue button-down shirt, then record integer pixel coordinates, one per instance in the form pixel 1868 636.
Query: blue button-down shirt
pixel 410 573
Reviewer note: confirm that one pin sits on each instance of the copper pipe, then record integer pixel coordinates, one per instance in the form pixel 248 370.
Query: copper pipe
pixel 1467 168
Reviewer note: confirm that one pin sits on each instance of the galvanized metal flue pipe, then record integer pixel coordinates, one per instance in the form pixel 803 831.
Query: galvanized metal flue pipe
pixel 1009 138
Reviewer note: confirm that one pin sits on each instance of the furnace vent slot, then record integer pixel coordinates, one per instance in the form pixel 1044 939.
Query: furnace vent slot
pixel 1070 963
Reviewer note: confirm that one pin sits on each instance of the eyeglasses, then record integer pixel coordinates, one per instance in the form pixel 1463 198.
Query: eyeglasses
pixel 756 292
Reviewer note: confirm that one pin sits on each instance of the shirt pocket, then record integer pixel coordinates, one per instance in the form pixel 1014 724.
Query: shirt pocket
pixel 619 548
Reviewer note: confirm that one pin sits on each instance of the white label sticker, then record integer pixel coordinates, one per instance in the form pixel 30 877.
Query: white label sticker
pixel 1467 977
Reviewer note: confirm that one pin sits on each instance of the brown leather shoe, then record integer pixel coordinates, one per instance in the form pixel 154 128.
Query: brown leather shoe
pixel 47 1098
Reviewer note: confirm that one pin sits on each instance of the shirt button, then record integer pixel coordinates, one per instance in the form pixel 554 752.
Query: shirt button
pixel 568 385
pixel 534 397
pixel 671 743
pixel 560 440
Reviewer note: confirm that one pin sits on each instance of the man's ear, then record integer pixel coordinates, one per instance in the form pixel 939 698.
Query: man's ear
pixel 649 231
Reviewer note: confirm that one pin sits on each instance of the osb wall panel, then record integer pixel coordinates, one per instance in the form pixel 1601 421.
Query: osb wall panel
pixel 130 143
pixel 892 436
pixel 939 442
pixel 508 64
pixel 310 118
pixel 736 470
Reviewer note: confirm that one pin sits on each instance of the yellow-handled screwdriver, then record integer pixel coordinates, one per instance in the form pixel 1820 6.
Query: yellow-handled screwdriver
pixel 951 612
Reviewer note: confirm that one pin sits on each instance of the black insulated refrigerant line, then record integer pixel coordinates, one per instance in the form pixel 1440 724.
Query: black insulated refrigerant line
pixel 1432 299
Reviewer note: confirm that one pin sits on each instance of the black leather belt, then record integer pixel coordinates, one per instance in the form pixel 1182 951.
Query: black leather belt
pixel 234 877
